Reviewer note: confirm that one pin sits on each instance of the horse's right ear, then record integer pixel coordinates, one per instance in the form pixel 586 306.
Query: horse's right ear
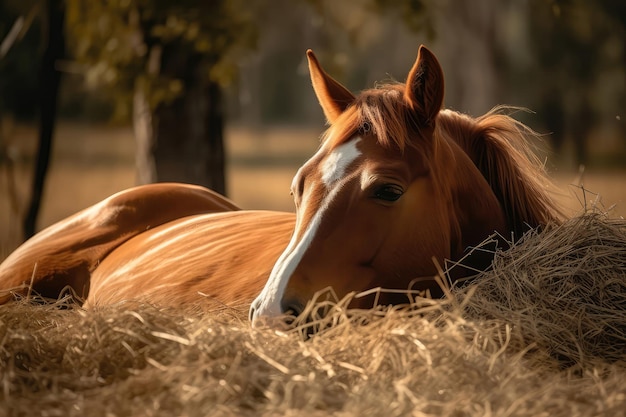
pixel 333 97
pixel 424 86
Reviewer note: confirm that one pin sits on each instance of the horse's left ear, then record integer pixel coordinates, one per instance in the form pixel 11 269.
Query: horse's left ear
pixel 424 86
pixel 333 97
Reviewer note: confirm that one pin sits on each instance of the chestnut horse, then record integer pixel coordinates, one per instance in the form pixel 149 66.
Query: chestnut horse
pixel 397 186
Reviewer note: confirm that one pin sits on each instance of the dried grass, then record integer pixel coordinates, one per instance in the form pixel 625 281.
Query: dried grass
pixel 541 334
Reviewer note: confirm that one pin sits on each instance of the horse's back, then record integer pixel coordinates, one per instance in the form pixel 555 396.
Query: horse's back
pixel 222 258
pixel 66 253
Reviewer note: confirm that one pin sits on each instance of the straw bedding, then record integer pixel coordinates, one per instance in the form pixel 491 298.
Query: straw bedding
pixel 542 334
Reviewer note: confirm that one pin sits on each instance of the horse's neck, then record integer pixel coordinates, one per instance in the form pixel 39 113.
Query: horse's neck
pixel 476 207
pixel 475 215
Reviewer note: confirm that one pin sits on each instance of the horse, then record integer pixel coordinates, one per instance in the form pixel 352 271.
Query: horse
pixel 398 186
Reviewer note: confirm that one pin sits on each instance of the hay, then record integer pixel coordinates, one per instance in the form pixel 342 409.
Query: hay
pixel 542 334
pixel 565 289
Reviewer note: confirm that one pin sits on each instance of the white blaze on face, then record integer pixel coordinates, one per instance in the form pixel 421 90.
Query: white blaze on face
pixel 334 166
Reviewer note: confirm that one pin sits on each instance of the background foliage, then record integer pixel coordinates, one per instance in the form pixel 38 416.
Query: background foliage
pixel 115 42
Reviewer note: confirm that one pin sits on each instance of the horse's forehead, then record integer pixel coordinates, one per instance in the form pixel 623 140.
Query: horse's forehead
pixel 336 163
pixel 331 163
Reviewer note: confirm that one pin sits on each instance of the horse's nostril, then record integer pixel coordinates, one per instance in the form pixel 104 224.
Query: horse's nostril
pixel 251 313
pixel 292 308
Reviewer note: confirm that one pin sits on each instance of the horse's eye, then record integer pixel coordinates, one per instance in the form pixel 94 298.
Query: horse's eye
pixel 388 192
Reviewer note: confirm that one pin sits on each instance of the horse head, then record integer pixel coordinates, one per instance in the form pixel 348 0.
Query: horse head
pixel 397 186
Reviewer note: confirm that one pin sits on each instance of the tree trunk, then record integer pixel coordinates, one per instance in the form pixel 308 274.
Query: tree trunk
pixel 182 140
pixel 189 139
pixel 50 79
pixel 145 171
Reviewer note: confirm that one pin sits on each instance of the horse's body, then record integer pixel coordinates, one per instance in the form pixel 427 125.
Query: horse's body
pixel 396 184
pixel 223 258
pixel 66 253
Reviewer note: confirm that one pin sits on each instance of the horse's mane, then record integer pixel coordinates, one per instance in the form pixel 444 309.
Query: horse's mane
pixel 500 148
pixel 498 145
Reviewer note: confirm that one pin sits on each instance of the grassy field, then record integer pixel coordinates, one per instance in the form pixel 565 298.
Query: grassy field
pixel 90 163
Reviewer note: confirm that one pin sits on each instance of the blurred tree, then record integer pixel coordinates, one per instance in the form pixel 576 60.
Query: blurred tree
pixel 174 57
pixel 49 81
pixel 23 80
pixel 20 41
pixel 575 43
pixel 359 41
